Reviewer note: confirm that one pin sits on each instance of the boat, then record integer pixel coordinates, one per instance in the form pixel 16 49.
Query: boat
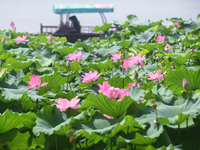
pixel 64 29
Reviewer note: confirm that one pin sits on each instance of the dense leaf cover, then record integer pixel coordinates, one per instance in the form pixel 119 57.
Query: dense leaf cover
pixel 122 90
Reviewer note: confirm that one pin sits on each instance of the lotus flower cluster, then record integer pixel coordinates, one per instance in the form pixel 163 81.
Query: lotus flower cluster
pixel 157 76
pixel 160 38
pixel 35 81
pixel 21 39
pixel 64 104
pixel 75 57
pixel 91 76
pixel 129 63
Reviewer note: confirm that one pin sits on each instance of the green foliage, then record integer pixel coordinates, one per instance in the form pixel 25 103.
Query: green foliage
pixel 148 115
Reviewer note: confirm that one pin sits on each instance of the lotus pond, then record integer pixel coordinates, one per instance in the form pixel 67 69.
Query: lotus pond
pixel 136 88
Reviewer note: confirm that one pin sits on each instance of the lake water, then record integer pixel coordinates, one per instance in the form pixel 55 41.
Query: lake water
pixel 28 14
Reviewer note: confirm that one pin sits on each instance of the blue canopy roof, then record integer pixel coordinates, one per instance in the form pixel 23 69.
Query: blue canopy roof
pixel 82 8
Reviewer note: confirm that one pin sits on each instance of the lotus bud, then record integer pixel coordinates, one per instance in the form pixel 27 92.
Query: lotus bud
pixel 182 44
pixel 185 48
pixel 3 40
pixel 106 36
pixel 154 52
pixel 186 85
pixel 155 124
pixel 135 74
pixel 50 39
pixel 192 51
pixel 68 64
pixel 122 35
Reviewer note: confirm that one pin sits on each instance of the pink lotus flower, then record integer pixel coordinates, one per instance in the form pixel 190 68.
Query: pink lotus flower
pixel 91 76
pixel 116 56
pixel 123 92
pixel 138 60
pixel 3 40
pixel 126 64
pixel 167 47
pixel 50 40
pixel 109 117
pixel 64 104
pixel 157 76
pixel 160 38
pixel 106 89
pixel 176 24
pixel 12 24
pixel 35 81
pixel 19 39
pixel 75 57
pixel 134 84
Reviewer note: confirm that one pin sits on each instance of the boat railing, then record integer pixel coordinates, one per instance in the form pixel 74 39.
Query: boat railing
pixel 66 30
pixel 52 29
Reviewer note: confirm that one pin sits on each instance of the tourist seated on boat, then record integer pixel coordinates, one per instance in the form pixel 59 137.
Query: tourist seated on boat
pixel 75 25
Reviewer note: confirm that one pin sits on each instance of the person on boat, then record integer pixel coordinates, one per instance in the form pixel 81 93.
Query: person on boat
pixel 74 24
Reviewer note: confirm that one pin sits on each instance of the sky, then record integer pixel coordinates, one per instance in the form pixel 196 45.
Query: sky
pixel 29 14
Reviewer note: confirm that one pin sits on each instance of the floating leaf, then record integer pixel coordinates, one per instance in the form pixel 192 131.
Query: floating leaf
pixel 15 120
pixel 107 106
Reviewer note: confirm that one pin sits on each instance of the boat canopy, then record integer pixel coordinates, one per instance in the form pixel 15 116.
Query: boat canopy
pixel 82 8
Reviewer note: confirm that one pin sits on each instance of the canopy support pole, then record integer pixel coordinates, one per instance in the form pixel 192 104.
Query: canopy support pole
pixel 67 19
pixel 61 19
pixel 103 17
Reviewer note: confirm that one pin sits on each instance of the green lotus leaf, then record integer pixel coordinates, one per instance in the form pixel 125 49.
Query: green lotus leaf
pixel 180 58
pixel 163 94
pixel 132 18
pixel 45 62
pixel 136 93
pixel 26 103
pixel 119 82
pixel 15 120
pixel 174 79
pixel 16 94
pixel 176 114
pixel 105 27
pixel 101 128
pixel 107 106
pixel 3 72
pixel 64 51
pixel 14 140
pixel 12 63
pixel 54 80
pixel 141 140
pixel 50 119
pixel 198 17
pixel 38 141
pixel 105 51
pixel 103 65
pixel 146 36
pixel 21 51
pixel 124 43
pixel 43 53
pixel 191 26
